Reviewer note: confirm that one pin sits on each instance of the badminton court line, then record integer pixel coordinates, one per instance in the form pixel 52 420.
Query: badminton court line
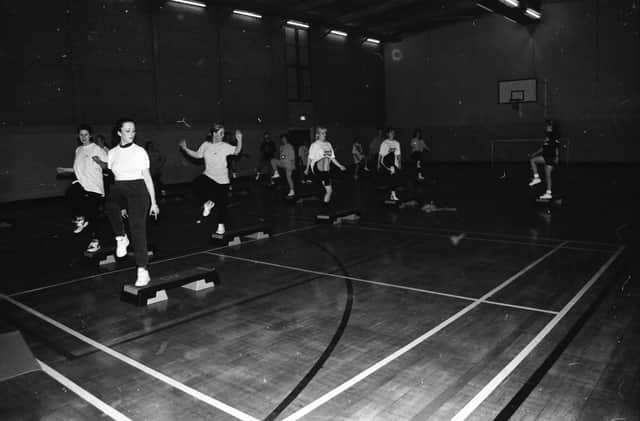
pixel 473 237
pixel 135 364
pixel 400 352
pixel 490 234
pixel 484 393
pixel 169 259
pixel 385 284
pixel 84 394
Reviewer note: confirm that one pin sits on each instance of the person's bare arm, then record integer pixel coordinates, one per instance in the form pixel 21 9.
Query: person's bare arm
pixel 185 149
pixel 148 182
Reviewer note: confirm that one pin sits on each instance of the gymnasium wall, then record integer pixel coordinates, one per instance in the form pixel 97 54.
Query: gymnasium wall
pixel 584 54
pixel 67 62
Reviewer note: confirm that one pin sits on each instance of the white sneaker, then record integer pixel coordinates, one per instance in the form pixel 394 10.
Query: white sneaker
pixel 275 175
pixel 393 196
pixel 93 246
pixel 257 176
pixel 420 177
pixel 206 208
pixel 291 193
pixel 80 225
pixel 121 246
pixel 535 180
pixel 143 277
pixel 220 230
pixel 546 196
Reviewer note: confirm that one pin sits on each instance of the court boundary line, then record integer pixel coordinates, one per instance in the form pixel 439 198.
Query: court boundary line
pixel 474 238
pixel 196 394
pixel 490 387
pixel 151 263
pixel 492 234
pixel 401 351
pixel 380 283
pixel 84 394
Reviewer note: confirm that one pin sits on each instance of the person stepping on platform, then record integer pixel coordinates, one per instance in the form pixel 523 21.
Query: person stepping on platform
pixel 212 187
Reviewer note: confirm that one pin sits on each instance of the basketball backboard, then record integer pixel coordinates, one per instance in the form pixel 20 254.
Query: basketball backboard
pixel 516 91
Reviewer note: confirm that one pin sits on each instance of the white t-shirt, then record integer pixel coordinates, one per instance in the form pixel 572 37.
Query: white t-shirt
pixel 215 160
pixel 390 146
pixel 319 150
pixel 128 163
pixel 88 172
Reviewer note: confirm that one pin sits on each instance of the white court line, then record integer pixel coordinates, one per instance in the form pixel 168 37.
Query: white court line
pixel 397 354
pixel 135 364
pixel 495 234
pixel 477 400
pixel 379 283
pixel 488 240
pixel 84 394
pixel 169 259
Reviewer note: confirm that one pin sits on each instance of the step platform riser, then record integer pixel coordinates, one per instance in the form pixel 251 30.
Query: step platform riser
pixel 349 215
pixel 236 237
pixel 195 279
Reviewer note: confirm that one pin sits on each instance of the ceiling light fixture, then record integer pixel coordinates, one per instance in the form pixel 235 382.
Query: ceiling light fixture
pixel 298 24
pixel 190 3
pixel 245 13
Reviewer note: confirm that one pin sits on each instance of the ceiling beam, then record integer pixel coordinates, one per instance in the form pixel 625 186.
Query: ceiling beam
pixel 423 10
pixel 430 23
pixel 287 13
pixel 380 8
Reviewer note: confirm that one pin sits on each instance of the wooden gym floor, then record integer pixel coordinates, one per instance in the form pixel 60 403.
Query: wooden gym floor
pixel 499 310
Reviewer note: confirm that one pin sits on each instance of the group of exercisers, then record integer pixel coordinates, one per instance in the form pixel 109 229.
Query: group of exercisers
pixel 133 193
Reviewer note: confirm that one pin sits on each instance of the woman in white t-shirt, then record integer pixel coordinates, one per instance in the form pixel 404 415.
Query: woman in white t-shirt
pixel 286 161
pixel 321 155
pixel 132 190
pixel 389 162
pixel 212 187
pixel 87 191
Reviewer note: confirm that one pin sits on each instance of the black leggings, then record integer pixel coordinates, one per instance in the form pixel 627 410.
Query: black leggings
pixel 207 189
pixel 133 196
pixel 84 203
pixel 323 177
pixel 391 178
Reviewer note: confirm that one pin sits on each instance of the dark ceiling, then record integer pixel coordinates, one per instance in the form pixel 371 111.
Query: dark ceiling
pixel 382 19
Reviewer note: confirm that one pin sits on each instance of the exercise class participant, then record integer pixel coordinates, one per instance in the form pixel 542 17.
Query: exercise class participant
pixel 358 157
pixel 267 153
pixel 549 156
pixel 321 155
pixel 287 162
pixel 374 147
pixel 132 190
pixel 418 148
pixel 87 190
pixel 303 158
pixel 389 160
pixel 212 187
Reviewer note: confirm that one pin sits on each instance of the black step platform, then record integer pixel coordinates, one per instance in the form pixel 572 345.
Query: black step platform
pixel 194 278
pixel 234 237
pixel 107 255
pixel 555 201
pixel 338 216
pixel 401 203
pixel 306 198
